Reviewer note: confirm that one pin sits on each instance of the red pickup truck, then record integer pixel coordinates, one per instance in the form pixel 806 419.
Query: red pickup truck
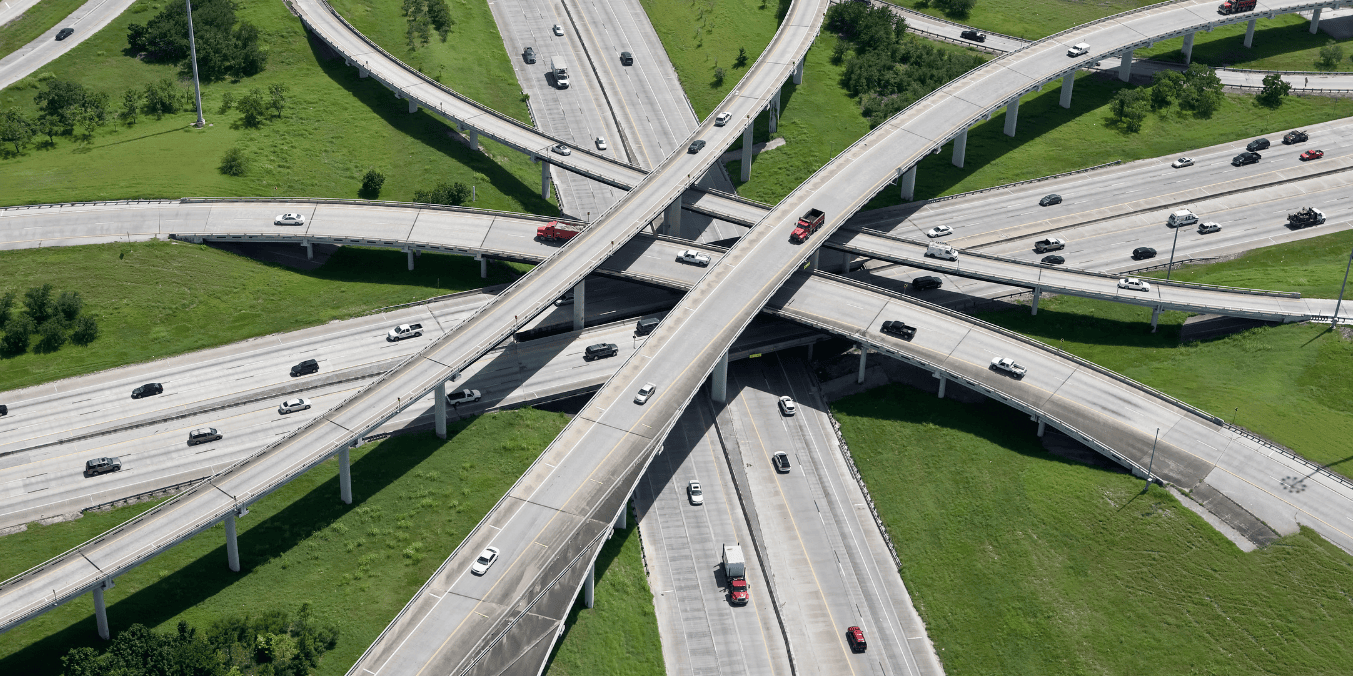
pixel 557 231
pixel 807 225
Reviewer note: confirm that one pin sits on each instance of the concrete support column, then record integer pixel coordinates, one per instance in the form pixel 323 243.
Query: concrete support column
pixel 1155 318
pixel 345 475
pixel 439 409
pixel 590 587
pixel 909 183
pixel 671 222
pixel 1315 20
pixel 622 522
pixel 1249 34
pixel 1188 48
pixel 483 267
pixel 864 356
pixel 813 260
pixel 232 543
pixel 362 72
pixel 413 107
pixel 544 180
pixel 775 111
pixel 943 382
pixel 309 250
pixel 101 610
pixel 960 148
pixel 1125 68
pixel 1042 426
pixel 1038 291
pixel 747 151
pixel 810 351
pixel 579 303
pixel 1068 83
pixel 409 251
pixel 719 380
pixel 798 72
pixel 1011 117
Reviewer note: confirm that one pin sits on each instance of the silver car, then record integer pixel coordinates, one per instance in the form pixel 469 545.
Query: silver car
pixel 293 405
pixel 486 559
pixel 644 393
pixel 788 407
pixel 696 495
pixel 289 219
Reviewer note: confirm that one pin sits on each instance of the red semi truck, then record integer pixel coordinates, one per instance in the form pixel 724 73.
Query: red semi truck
pixel 557 231
pixel 807 225
pixel 1236 6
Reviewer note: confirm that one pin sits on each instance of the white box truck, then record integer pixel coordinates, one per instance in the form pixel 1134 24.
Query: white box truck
pixel 560 71
pixel 735 572
pixel 1182 218
pixel 941 251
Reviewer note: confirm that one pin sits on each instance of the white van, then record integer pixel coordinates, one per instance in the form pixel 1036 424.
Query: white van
pixel 1182 218
pixel 941 251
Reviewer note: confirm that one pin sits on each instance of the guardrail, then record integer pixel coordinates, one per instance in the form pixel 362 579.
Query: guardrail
pixel 144 494
pixel 1316 468
pixel 379 204
pixel 96 203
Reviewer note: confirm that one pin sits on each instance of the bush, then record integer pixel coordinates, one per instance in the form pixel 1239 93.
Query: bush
pixel 371 183
pixel 164 98
pixel 742 58
pixel 18 331
pixel 453 194
pixel 86 330
pixel 131 105
pixel 234 163
pixel 1275 89
pixel 37 303
pixel 1129 108
pixel 1330 56
pixel 6 308
pixel 957 7
pixel 277 98
pixel 225 46
pixel 1166 88
pixel 69 305
pixel 52 335
pixel 718 75
pixel 227 102
pixel 253 109
pixel 62 106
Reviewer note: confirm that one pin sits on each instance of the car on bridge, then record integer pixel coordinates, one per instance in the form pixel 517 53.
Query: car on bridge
pixel 645 393
pixel 529 55
pixel 1209 228
pixel 939 231
pixel 600 351
pixel 693 257
pixel 1312 155
pixel 1134 284
pixel 1295 137
pixel 487 557
pixel 147 390
pixel 1143 252
pixel 855 637
pixel 293 405
pixel 1245 158
pixel 696 146
pixel 1054 259
pixel 693 492
pixel 899 329
pixel 289 219
pixel 787 406
pixel 926 283
pixel 404 331
pixel 1050 200
pixel 1258 144
pixel 203 435
pixel 1182 162
pixel 781 462
pixel 99 466
pixel 64 33
pixel 1008 366
pixel 561 149
pixel 975 36
pixel 1079 49
pixel 722 118
pixel 1049 244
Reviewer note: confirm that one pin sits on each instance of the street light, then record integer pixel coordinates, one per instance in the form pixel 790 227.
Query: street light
pixel 1335 322
pixel 1152 462
pixel 197 85
pixel 1170 267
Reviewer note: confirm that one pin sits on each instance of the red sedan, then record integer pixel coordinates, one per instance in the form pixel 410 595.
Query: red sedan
pixel 1312 155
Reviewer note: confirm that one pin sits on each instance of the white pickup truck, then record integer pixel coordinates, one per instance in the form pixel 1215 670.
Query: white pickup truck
pixel 404 331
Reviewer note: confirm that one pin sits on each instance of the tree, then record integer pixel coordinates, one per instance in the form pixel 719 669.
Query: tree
pixel 440 16
pixel 253 109
pixel 1330 56
pixel 51 334
pixel 64 105
pixel 371 183
pixel 6 308
pixel 718 76
pixel 1166 88
pixel 959 7
pixel 742 58
pixel 234 163
pixel 131 105
pixel 163 98
pixel 1129 108
pixel 37 303
pixel 1274 90
pixel 86 330
pixel 18 331
pixel 227 102
pixel 1201 91
pixel 17 128
pixel 277 98
pixel 69 305
pixel 225 45
pixel 454 194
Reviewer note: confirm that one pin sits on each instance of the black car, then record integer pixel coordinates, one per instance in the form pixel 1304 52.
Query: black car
pixel 696 147
pixel 99 466
pixel 1295 137
pixel 1257 144
pixel 899 329
pixel 1143 252
pixel 305 368
pixel 975 36
pixel 64 33
pixel 1245 158
pixel 147 390
pixel 645 326
pixel 4 410
pixel 626 59
pixel 927 282
pixel 529 55
pixel 203 435
pixel 1050 200
pixel 781 461
pixel 1054 260
pixel 600 351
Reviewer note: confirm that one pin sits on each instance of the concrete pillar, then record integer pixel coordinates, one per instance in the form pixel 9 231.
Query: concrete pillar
pixel 810 351
pixel 747 151
pixel 579 302
pixel 960 148
pixel 621 522
pixel 345 475
pixel 413 107
pixel 590 587
pixel 1042 426
pixel 719 380
pixel 362 72
pixel 1188 48
pixel 409 251
pixel 483 267
pixel 1315 20
pixel 232 543
pixel 813 260
pixel 1068 82
pixel 671 222
pixel 544 180
pixel 798 72
pixel 1011 117
pixel 101 610
pixel 775 111
pixel 943 382
pixel 1125 68
pixel 439 409
pixel 1155 318
pixel 1249 34
pixel 909 183
pixel 474 139
pixel 864 355
pixel 1038 291
pixel 309 250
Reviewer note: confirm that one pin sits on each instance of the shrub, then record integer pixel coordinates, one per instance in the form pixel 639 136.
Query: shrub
pixel 742 58
pixel 86 330
pixel 225 46
pixel 164 98
pixel 17 334
pixel 227 102
pixel 6 308
pixel 131 105
pixel 69 305
pixel 234 163
pixel 371 183
pixel 277 98
pixel 37 303
pixel 718 76
pixel 1129 108
pixel 1330 56
pixel 52 334
pixel 453 194
pixel 253 109
pixel 1275 89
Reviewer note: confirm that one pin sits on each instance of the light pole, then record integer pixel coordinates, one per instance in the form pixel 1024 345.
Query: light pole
pixel 1170 268
pixel 192 45
pixel 1335 322
pixel 1152 462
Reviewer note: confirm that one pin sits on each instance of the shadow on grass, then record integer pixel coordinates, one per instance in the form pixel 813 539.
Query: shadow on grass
pixel 609 552
pixel 1273 41
pixel 1052 325
pixel 390 266
pixel 203 578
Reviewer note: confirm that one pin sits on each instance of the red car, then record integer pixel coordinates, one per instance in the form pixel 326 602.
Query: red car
pixel 855 637
pixel 1312 155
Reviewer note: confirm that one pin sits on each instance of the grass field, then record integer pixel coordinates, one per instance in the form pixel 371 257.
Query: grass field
pixel 157 299
pixel 336 126
pixel 1282 43
pixel 1021 563
pixel 37 20
pixel 415 499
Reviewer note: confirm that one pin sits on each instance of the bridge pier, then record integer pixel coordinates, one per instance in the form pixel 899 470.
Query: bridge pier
pixel 719 380
pixel 747 150
pixel 864 356
pixel 1125 68
pixel 1068 82
pixel 439 409
pixel 775 111
pixel 1038 291
pixel 483 266
pixel 1155 318
pixel 362 72
pixel 1042 426
pixel 1315 20
pixel 579 301
pixel 798 71
pixel 409 251
pixel 813 259
pixel 309 250
pixel 232 543
pixel 1249 34
pixel 621 522
pixel 960 148
pixel 909 183
pixel 1188 48
pixel 590 586
pixel 943 381
pixel 413 107
pixel 1011 116
pixel 345 475
pixel 101 609
pixel 544 180
pixel 671 222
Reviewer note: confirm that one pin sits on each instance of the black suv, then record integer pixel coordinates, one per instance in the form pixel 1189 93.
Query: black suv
pixel 147 390
pixel 529 55
pixel 600 351
pixel 645 326
pixel 304 368
pixel 203 435
pixel 899 329
pixel 626 59
pixel 927 282
pixel 975 36
pixel 4 410
pixel 1246 158
pixel 99 466
pixel 1295 137
pixel 1257 144
pixel 1143 252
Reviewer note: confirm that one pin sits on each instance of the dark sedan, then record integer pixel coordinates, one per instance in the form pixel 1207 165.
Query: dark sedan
pixel 1050 200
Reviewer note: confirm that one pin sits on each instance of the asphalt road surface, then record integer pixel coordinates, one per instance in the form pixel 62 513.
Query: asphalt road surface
pixel 87 20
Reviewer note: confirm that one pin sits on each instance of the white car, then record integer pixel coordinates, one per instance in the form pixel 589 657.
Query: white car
pixel 463 397
pixel 1209 228
pixel 1079 49
pixel 601 143
pixel 722 118
pixel 1008 365
pixel 404 331
pixel 561 149
pixel 558 30
pixel 693 257
pixel 939 231
pixel 1134 284
pixel 486 559
pixel 1182 162
pixel 696 495
pixel 644 393
pixel 788 407
pixel 289 219
pixel 293 405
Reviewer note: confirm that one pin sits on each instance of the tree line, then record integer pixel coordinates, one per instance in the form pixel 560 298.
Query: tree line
pixel 54 319
pixel 226 46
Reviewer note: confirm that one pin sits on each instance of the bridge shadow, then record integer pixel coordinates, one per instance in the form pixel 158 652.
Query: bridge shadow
pixel 1129 327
